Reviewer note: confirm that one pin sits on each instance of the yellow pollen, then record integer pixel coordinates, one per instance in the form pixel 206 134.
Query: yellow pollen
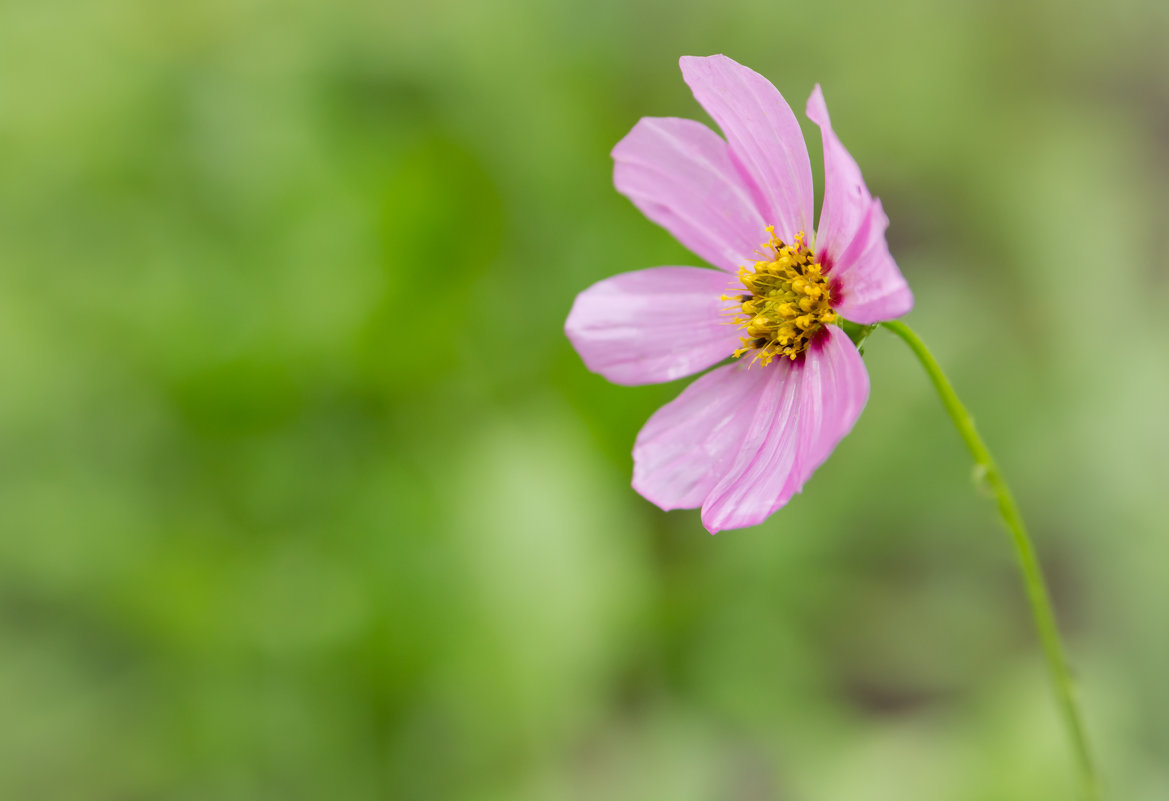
pixel 790 301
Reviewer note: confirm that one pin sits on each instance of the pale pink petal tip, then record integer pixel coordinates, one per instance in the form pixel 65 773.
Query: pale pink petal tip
pixel 765 140
pixel 687 445
pixel 652 325
pixel 850 235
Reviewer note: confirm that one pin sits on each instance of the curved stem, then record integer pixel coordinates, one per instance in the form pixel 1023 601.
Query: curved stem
pixel 1037 592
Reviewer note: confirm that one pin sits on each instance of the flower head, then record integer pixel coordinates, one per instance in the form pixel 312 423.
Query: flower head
pixel 741 440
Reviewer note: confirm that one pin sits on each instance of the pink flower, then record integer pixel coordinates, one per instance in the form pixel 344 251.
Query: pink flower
pixel 742 439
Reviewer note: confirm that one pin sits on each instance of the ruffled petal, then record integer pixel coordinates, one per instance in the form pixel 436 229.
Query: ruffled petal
pixel 690 442
pixel 798 415
pixel 679 173
pixel 850 236
pixel 652 325
pixel 764 137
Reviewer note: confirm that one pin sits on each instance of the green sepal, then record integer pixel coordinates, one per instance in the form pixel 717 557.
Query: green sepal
pixel 857 333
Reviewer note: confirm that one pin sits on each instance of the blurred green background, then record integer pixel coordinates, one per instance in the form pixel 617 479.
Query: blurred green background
pixel 304 494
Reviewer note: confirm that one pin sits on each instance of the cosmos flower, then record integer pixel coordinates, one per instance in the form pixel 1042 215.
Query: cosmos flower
pixel 741 440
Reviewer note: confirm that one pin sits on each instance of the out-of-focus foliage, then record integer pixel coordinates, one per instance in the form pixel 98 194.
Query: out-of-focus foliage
pixel 304 495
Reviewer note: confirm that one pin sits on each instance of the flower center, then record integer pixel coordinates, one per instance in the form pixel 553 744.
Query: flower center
pixel 790 301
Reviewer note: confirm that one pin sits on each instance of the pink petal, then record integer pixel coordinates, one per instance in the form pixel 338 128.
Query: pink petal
pixel 869 286
pixel 850 237
pixel 799 414
pixel 836 388
pixel 679 173
pixel 653 325
pixel 764 136
pixel 689 443
pixel 846 198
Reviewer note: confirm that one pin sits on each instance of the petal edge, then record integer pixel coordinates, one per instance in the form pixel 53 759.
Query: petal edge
pixel 802 413
pixel 679 174
pixel 685 447
pixel 653 325
pixel 764 136
pixel 850 234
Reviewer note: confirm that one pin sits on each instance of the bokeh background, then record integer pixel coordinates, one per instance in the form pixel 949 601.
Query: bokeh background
pixel 304 494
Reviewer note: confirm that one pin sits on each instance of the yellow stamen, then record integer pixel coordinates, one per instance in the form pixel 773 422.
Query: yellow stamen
pixel 790 301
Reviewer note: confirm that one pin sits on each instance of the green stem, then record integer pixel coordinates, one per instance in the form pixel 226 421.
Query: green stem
pixel 1037 592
